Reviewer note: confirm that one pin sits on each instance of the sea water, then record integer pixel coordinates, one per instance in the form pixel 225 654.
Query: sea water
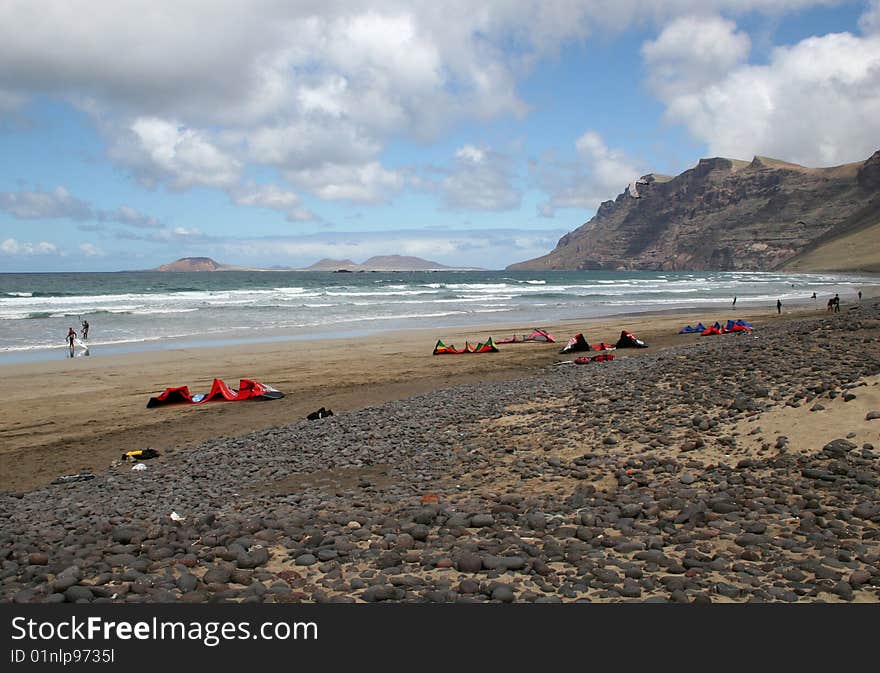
pixel 130 311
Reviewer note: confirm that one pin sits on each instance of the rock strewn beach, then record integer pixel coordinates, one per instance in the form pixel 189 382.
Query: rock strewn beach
pixel 658 478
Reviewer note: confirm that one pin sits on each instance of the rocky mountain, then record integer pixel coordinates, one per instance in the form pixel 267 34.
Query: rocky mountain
pixel 377 263
pixel 381 263
pixel 194 264
pixel 401 263
pixel 727 214
pixel 328 264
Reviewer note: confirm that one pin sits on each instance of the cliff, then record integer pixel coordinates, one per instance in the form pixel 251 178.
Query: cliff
pixel 726 214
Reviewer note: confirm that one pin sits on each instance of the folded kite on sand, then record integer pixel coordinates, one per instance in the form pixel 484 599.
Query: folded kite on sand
pixel 442 349
pixel 586 359
pixel 537 334
pixel 732 326
pixel 629 340
pixel 576 344
pixel 247 390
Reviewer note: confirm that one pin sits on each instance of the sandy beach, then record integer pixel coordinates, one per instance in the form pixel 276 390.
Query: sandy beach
pixel 735 468
pixel 74 415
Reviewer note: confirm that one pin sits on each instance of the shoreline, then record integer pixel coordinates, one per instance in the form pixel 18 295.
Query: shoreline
pixel 80 414
pixel 22 343
pixel 278 335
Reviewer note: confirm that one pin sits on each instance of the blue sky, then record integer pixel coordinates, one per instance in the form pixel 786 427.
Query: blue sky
pixel 261 133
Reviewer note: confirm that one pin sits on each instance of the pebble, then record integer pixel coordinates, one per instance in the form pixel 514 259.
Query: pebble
pixel 503 593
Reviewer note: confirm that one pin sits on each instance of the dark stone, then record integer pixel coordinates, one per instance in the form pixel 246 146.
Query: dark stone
pixel 389 560
pixel 187 582
pixel 838 448
pixel 253 559
pixel 631 590
pixel 469 563
pixel 217 575
pixel 419 532
pixel 468 586
pixel 512 562
pixel 125 534
pixel 482 520
pixel 23 596
pixel 844 590
pixel 859 577
pixel 79 593
pixel 536 520
pixel 727 590
pixel 503 593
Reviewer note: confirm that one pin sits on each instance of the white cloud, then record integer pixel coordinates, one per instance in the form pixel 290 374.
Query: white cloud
pixel 693 52
pixel 166 235
pixel 365 183
pixel 816 102
pixel 599 173
pixel 91 250
pixel 61 204
pixel 304 144
pixel 130 216
pixel 470 153
pixel 481 180
pixel 271 196
pixel 869 21
pixel 13 247
pixel 157 149
pixel 180 233
pixel 35 205
pixel 188 96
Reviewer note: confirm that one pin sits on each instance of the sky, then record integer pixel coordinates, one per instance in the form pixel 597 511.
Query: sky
pixel 274 133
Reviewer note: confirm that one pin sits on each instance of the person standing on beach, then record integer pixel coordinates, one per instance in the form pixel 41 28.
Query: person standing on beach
pixel 860 295
pixel 836 303
pixel 85 330
pixel 778 306
pixel 734 301
pixel 71 337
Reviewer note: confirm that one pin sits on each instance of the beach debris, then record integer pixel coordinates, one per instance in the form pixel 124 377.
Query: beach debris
pixel 320 413
pixel 70 478
pixel 140 454
pixel 140 467
pixel 176 517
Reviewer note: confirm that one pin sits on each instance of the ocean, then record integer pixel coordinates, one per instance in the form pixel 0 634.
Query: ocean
pixel 131 311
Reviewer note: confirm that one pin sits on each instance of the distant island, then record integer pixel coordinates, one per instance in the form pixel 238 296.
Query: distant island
pixel 376 263
pixel 199 264
pixel 385 263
